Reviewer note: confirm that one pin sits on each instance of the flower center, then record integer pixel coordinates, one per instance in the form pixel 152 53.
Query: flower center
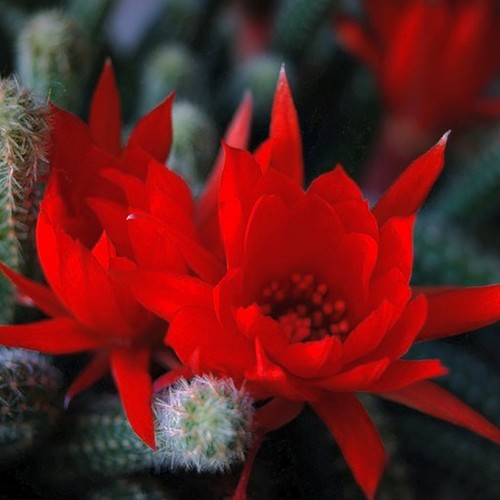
pixel 303 308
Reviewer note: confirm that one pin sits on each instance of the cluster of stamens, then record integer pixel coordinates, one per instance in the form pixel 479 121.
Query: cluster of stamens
pixel 303 308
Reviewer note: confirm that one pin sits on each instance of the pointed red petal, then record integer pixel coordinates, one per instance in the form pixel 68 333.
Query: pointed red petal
pixel 153 132
pixel 452 311
pixel 95 370
pixel 165 293
pixel 42 296
pixel 236 136
pixel 130 368
pixel 277 413
pixel 432 399
pixel 171 377
pixel 285 133
pixel 52 336
pixel 105 113
pixel 200 260
pixel 410 189
pixel 236 197
pixel 356 436
pixel 404 372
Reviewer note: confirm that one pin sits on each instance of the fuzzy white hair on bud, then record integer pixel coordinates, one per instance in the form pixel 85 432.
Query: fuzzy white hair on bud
pixel 203 424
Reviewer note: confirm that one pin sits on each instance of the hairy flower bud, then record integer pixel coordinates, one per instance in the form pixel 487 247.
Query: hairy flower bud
pixel 203 424
pixel 53 57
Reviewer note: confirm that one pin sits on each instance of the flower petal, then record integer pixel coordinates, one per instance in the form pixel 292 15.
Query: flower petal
pixel 277 413
pixel 95 370
pixel 153 132
pixel 130 368
pixel 410 189
pixel 398 340
pixel 236 136
pixel 82 284
pixel 236 197
pixel 42 296
pixel 401 373
pixel 105 112
pixel 199 259
pixel 452 311
pixel 285 133
pixel 357 378
pixel 51 336
pixel 165 293
pixel 222 351
pixel 356 436
pixel 432 399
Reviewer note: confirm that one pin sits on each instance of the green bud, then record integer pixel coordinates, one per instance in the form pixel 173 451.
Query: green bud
pixel 204 424
pixel 194 144
pixel 170 68
pixel 53 57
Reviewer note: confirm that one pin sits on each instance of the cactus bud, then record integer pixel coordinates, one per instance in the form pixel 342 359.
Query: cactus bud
pixel 170 68
pixel 204 424
pixel 52 57
pixel 194 143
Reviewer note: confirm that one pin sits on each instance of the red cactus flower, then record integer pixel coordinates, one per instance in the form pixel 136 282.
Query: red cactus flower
pixel 84 238
pixel 434 63
pixel 315 304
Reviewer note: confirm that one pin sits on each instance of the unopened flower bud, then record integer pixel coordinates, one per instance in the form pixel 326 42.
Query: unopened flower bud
pixel 204 424
pixel 170 68
pixel 194 143
pixel 53 57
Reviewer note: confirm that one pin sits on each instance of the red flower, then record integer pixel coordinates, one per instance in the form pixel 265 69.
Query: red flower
pixel 434 63
pixel 85 238
pixel 91 310
pixel 315 304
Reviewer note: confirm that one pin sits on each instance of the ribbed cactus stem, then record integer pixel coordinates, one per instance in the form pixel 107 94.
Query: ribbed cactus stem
pixel 204 424
pixel 53 57
pixel 96 443
pixel 24 136
pixel 30 400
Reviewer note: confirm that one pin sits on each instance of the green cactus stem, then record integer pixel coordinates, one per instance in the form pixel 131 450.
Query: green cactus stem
pixel 445 255
pixel 24 136
pixel 30 401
